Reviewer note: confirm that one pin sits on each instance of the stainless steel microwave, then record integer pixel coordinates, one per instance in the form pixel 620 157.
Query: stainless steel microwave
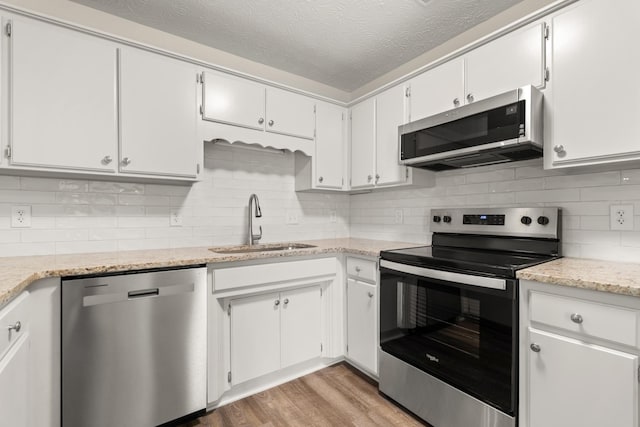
pixel 503 128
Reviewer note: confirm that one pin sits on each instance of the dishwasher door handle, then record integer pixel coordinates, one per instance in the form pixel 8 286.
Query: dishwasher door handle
pixel 144 293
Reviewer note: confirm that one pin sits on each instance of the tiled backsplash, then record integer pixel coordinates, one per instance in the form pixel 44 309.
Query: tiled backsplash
pixel 585 199
pixel 75 216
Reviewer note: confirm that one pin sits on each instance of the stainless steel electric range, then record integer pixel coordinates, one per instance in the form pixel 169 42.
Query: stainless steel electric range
pixel 449 314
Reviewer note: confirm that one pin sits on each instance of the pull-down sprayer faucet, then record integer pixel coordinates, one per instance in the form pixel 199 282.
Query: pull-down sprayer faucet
pixel 253 238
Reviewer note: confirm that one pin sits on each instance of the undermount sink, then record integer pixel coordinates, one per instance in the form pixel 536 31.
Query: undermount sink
pixel 272 247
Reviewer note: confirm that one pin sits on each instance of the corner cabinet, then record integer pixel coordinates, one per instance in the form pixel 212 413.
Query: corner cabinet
pixel 158 116
pixel 591 109
pixel 579 354
pixel 64 117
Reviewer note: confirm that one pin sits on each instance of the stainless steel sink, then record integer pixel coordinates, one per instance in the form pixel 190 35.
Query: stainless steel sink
pixel 271 247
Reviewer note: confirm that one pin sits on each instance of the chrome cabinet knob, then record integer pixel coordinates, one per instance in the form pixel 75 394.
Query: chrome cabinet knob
pixel 456 102
pixel 320 179
pixel 535 348
pixel 106 160
pixel 559 149
pixel 576 318
pixel 470 97
pixel 15 327
pixel 377 177
pixel 370 294
pixel 357 269
pixel 126 161
pixel 286 301
pixel 369 178
pixel 271 122
pixel 277 302
pixel 260 121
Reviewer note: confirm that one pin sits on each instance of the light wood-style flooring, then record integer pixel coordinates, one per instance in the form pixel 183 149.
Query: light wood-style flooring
pixel 335 396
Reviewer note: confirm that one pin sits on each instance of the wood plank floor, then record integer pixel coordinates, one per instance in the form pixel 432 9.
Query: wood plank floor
pixel 335 396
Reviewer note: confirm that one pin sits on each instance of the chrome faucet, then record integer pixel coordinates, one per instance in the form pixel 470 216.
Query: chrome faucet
pixel 253 238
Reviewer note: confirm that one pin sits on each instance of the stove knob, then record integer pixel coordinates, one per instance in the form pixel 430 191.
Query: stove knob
pixel 446 218
pixel 436 218
pixel 543 220
pixel 526 220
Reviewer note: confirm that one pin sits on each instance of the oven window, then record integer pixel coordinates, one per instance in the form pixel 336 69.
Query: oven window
pixel 462 336
pixel 499 124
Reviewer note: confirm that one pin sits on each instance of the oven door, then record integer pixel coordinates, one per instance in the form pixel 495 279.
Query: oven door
pixel 460 328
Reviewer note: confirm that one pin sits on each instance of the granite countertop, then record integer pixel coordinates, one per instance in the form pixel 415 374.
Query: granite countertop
pixel 16 273
pixel 607 276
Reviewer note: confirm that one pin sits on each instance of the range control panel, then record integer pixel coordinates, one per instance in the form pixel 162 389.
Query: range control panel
pixel 542 222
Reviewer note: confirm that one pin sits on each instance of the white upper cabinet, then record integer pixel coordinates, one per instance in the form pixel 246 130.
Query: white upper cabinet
pixel 158 115
pixel 63 107
pixel 363 134
pixel 290 114
pixel 509 62
pixel 592 109
pixel 232 100
pixel 437 90
pixel 329 154
pixel 390 113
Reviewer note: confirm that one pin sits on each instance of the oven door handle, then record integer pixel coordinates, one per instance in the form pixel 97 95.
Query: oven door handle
pixel 467 279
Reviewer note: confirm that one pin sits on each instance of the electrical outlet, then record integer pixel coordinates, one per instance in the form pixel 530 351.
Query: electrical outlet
pixel 175 218
pixel 21 216
pixel 399 216
pixel 333 216
pixel 292 217
pixel 621 217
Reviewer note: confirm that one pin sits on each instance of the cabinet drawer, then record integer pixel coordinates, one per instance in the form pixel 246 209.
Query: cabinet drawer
pixel 588 318
pixel 16 311
pixel 362 269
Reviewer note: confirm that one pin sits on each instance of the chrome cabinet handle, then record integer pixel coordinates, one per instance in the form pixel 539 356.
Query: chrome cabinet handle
pixel 456 102
pixel 271 122
pixel 370 294
pixel 277 303
pixel 576 318
pixel 559 149
pixel 260 121
pixel 470 97
pixel 106 160
pixel 357 269
pixel 321 179
pixel 286 301
pixel 535 348
pixel 15 327
pixel 126 161
pixel 369 178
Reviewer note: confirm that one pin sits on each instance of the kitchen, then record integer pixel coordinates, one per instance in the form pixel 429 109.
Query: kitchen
pixel 81 212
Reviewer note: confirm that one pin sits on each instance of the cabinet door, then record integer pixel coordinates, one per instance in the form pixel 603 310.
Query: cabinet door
pixel 290 114
pixel 231 100
pixel 507 63
pixel 63 110
pixel 576 384
pixel 594 97
pixel 390 113
pixel 255 336
pixel 363 141
pixel 328 164
pixel 301 326
pixel 158 115
pixel 361 324
pixel 437 90
pixel 14 385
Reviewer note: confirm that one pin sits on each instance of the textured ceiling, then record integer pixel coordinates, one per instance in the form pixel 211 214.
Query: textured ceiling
pixel 342 43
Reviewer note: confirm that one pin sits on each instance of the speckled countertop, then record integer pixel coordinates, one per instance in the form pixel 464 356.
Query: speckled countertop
pixel 16 273
pixel 616 277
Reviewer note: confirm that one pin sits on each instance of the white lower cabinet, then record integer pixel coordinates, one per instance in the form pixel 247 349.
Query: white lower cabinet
pixel 361 322
pixel 572 372
pixel 300 325
pixel 573 383
pixel 362 313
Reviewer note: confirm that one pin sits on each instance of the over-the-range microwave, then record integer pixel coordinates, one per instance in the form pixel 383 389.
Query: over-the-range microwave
pixel 503 128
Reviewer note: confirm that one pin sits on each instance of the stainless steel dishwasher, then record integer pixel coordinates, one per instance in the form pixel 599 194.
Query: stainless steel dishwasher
pixel 133 348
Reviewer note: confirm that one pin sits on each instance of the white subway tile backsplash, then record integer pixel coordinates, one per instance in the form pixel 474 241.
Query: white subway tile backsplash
pixel 548 196
pixel 115 187
pixel 613 193
pixel 587 180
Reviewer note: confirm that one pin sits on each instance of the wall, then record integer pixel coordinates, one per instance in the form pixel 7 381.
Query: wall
pixel 585 198
pixel 75 216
